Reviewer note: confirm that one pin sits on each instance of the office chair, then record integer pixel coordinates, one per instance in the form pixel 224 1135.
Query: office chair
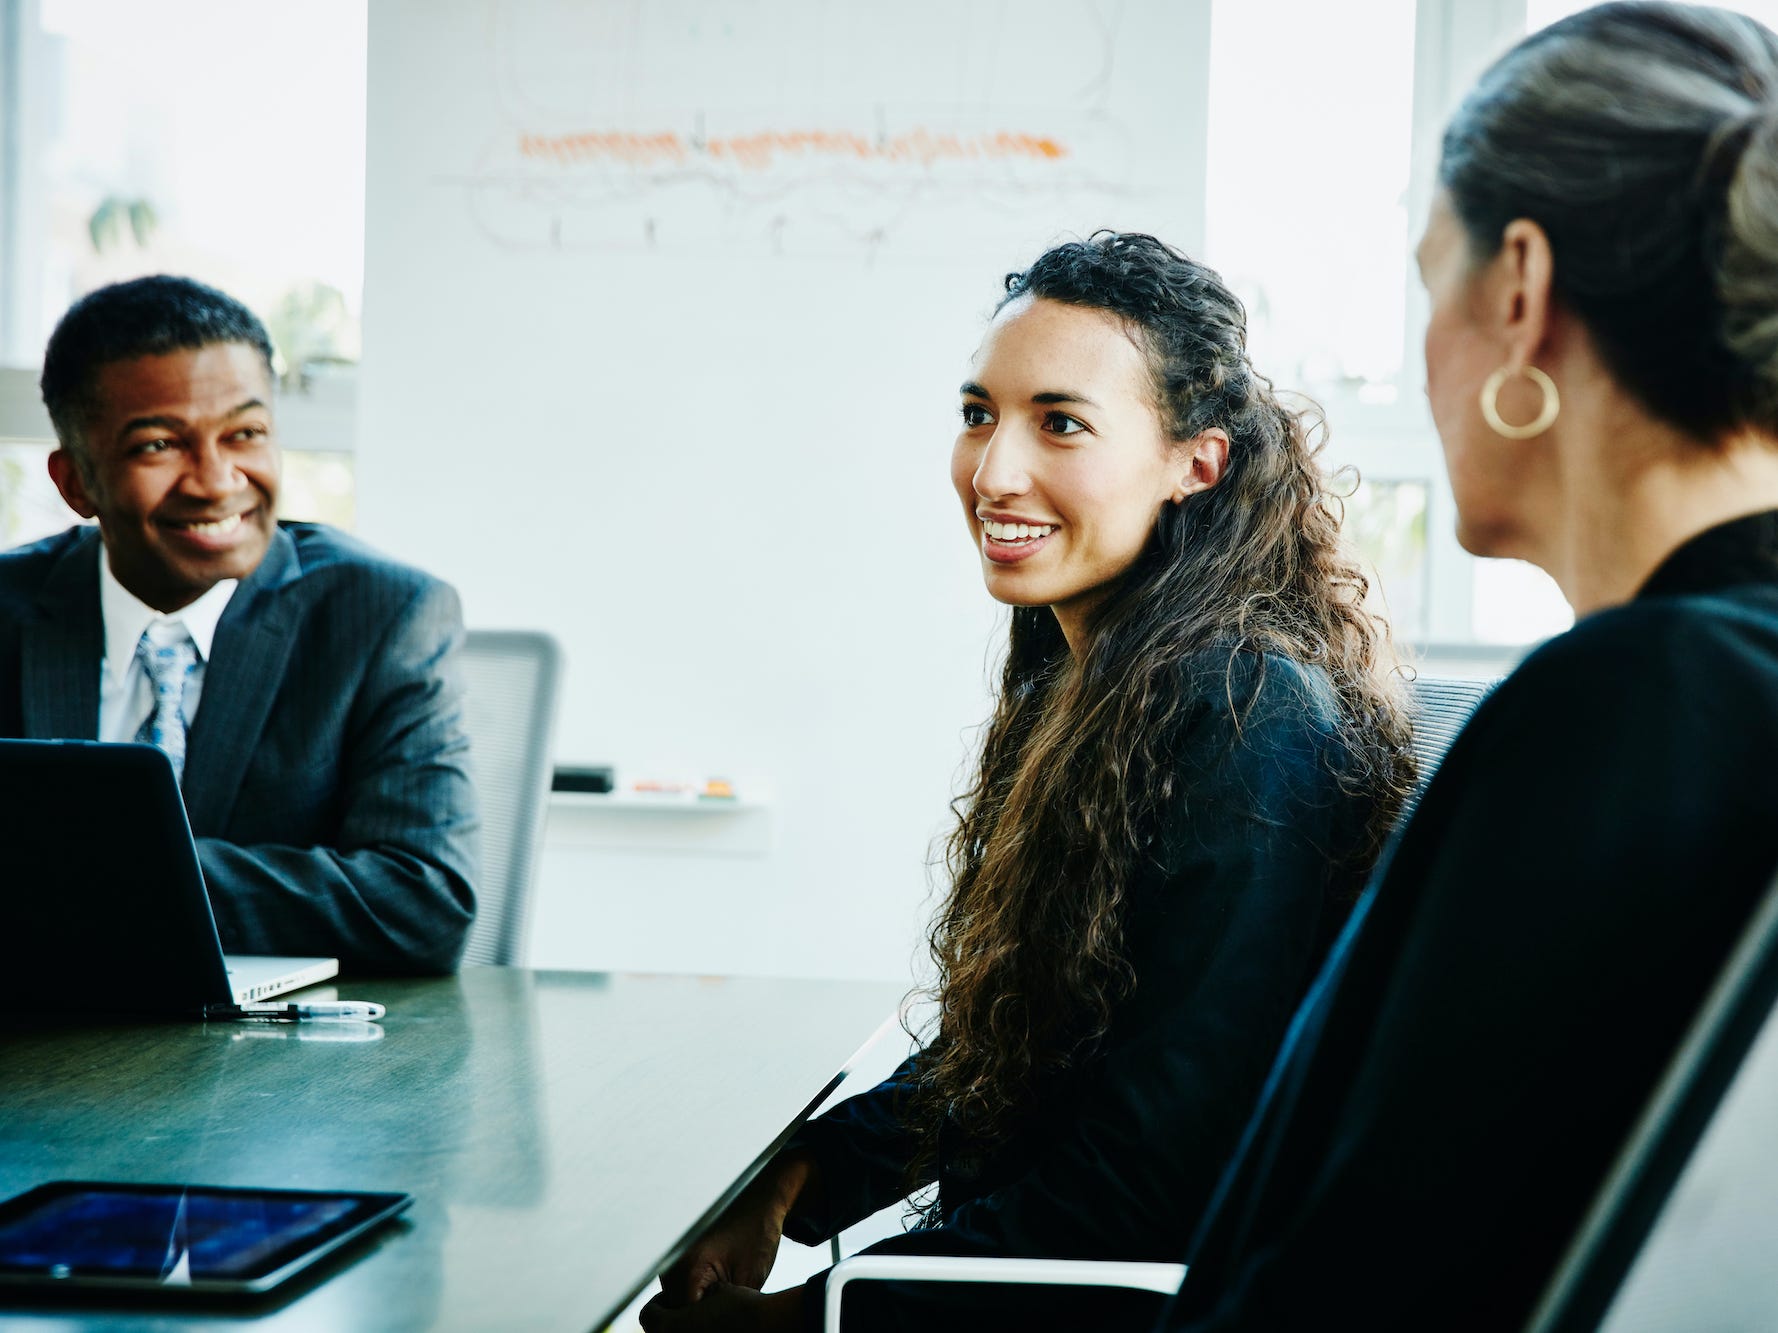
pixel 1161 1278
pixel 1683 1231
pixel 511 678
pixel 1442 705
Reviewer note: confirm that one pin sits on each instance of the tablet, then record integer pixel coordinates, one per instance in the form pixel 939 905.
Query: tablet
pixel 190 1239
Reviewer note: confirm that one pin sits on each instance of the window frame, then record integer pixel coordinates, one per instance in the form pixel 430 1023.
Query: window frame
pixel 1454 41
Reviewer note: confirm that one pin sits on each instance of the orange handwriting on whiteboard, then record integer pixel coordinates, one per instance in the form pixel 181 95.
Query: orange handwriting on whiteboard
pixel 762 150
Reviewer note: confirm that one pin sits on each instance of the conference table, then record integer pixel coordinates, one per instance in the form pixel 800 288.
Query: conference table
pixel 563 1133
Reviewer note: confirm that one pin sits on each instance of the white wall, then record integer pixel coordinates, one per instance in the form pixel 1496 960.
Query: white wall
pixel 694 416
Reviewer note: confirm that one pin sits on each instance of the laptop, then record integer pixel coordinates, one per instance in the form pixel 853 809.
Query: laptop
pixel 102 902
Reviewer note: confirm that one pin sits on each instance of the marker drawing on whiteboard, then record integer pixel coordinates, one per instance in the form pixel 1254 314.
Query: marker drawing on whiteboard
pixel 629 139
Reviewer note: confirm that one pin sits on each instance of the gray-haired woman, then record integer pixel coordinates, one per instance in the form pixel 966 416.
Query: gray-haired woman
pixel 1602 362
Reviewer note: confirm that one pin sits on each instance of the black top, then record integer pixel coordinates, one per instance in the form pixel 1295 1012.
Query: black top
pixel 1507 996
pixel 1224 932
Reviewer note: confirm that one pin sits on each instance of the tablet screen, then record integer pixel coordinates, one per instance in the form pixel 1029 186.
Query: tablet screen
pixel 82 1233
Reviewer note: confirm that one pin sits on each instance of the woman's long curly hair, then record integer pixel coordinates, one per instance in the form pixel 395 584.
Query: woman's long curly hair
pixel 1074 764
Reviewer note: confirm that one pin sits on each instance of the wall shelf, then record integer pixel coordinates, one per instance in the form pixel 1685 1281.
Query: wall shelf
pixel 670 824
pixel 638 802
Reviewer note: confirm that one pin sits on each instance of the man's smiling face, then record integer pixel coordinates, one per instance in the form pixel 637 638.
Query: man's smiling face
pixel 181 469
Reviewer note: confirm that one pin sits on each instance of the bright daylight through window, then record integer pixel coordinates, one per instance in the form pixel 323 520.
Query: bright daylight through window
pixel 116 174
pixel 1310 214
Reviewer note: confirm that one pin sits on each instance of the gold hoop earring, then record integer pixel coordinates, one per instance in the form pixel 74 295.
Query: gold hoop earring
pixel 1552 404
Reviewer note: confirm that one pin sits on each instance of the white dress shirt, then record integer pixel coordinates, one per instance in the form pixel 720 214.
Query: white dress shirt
pixel 126 697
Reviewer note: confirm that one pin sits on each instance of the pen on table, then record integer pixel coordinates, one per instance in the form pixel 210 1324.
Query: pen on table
pixel 360 1009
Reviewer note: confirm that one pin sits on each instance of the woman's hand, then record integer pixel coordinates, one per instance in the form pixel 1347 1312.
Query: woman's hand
pixel 741 1245
pixel 726 1308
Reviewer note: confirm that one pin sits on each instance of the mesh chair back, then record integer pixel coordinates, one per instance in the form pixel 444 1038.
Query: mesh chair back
pixel 1442 705
pixel 511 678
pixel 1683 1232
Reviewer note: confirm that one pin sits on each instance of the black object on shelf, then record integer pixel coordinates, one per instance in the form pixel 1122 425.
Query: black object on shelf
pixel 582 779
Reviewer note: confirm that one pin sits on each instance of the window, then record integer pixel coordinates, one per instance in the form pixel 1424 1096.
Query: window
pixel 1320 159
pixel 1306 208
pixel 215 139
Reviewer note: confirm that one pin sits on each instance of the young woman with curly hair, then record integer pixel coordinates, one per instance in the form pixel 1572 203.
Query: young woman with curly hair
pixel 1196 755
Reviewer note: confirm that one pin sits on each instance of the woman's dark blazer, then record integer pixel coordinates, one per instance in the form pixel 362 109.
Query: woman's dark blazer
pixel 1509 992
pixel 1224 932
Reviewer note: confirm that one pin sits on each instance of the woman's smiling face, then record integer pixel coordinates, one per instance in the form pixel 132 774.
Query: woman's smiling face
pixel 1063 462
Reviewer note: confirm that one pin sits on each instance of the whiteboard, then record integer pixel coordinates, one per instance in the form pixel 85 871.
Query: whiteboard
pixel 666 306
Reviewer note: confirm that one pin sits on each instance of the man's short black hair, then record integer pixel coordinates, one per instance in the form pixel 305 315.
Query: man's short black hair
pixel 143 317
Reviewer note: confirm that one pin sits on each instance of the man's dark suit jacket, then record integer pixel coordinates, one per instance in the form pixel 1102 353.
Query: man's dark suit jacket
pixel 1250 877
pixel 1506 998
pixel 326 772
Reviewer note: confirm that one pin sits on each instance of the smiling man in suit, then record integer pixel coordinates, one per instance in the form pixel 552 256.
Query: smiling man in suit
pixel 304 687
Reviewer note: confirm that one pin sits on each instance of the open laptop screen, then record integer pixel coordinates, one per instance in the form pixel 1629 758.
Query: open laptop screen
pixel 105 905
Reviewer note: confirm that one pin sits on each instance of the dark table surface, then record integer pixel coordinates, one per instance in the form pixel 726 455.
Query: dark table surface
pixel 562 1133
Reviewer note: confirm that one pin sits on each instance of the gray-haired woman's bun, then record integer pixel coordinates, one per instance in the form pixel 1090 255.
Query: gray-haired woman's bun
pixel 1643 139
pixel 1747 262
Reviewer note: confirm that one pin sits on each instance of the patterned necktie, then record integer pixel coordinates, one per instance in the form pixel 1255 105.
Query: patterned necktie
pixel 169 666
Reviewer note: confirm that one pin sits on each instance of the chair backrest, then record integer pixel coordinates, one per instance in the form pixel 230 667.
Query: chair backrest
pixel 511 679
pixel 1683 1231
pixel 1442 705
